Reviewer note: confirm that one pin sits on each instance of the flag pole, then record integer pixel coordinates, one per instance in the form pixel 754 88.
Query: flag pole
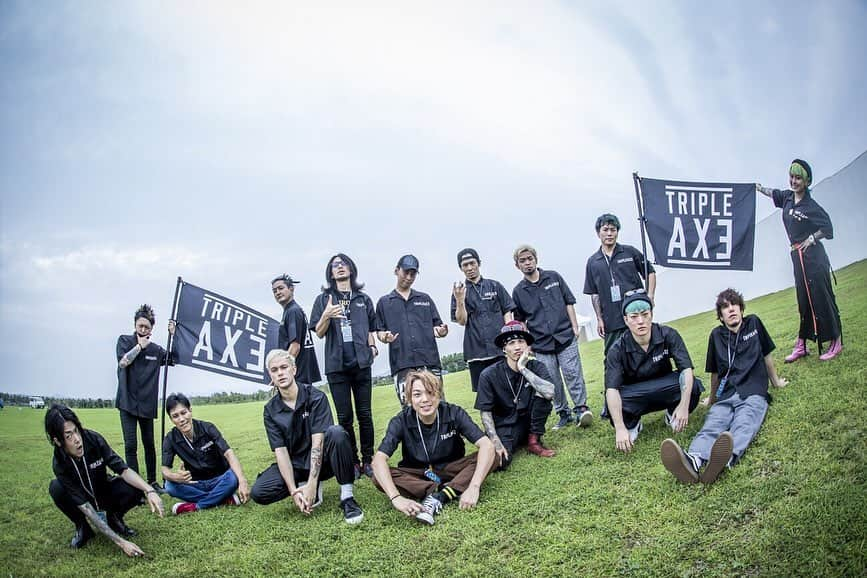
pixel 636 180
pixel 169 347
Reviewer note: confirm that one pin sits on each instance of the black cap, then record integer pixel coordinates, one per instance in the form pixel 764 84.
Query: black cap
pixel 512 330
pixel 633 296
pixel 607 218
pixel 807 168
pixel 407 263
pixel 286 278
pixel 468 253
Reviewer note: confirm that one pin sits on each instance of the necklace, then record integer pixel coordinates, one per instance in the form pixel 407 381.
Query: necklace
pixel 515 394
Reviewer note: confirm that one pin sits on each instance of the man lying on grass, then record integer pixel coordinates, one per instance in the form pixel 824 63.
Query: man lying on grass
pixel 433 468
pixel 739 361
pixel 210 472
pixel 83 490
pixel 514 397
pixel 639 378
pixel 307 446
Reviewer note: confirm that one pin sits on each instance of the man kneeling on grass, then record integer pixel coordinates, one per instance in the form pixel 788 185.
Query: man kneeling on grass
pixel 639 378
pixel 210 473
pixel 307 446
pixel 433 468
pixel 740 364
pixel 515 396
pixel 83 490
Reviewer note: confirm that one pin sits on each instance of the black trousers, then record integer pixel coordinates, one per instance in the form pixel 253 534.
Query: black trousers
pixel 128 423
pixel 533 422
pixel 476 368
pixel 638 399
pixel 346 386
pixel 120 498
pixel 815 296
pixel 336 462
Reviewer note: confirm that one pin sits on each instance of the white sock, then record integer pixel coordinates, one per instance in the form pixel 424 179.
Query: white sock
pixel 346 491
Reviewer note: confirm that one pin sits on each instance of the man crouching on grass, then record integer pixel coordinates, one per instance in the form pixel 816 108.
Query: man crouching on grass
pixel 307 446
pixel 211 474
pixel 83 490
pixel 740 366
pixel 433 467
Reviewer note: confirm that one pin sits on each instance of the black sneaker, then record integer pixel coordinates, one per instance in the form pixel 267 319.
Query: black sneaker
pixel 158 488
pixel 368 470
pixel 720 457
pixel 352 513
pixel 565 419
pixel 82 536
pixel 118 525
pixel 678 462
pixel 432 506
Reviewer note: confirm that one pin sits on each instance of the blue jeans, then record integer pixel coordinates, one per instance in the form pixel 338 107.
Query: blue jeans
pixel 205 493
pixel 740 417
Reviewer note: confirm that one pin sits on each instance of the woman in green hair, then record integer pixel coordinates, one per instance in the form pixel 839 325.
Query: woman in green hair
pixel 806 222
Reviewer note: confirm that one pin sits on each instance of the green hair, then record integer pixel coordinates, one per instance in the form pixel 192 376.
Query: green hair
pixel 637 306
pixel 798 170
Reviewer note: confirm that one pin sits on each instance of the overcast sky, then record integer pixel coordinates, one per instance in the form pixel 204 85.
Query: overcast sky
pixel 230 142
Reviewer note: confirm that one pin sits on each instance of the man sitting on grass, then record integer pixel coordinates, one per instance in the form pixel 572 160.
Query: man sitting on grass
pixel 739 361
pixel 639 378
pixel 83 491
pixel 514 396
pixel 307 446
pixel 433 467
pixel 210 472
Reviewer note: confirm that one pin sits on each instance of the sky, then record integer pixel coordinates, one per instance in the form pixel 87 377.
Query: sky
pixel 228 143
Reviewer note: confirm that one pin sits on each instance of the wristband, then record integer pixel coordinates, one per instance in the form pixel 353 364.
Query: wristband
pixel 150 491
pixel 395 497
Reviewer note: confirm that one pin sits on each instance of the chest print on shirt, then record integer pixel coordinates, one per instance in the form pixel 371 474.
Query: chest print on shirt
pixel 206 446
pixel 151 357
pixel 798 215
pixel 550 285
pixel 305 415
pixel 661 356
pixel 95 464
pixel 448 434
pixel 750 335
pixel 624 260
pixel 421 303
pixel 488 295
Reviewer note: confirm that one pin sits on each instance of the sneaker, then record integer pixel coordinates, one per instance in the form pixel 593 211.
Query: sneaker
pixel 318 494
pixel 233 500
pixel 352 513
pixel 358 471
pixel 368 470
pixel 634 431
pixel 584 418
pixel 720 456
pixel 678 462
pixel 669 419
pixel 432 507
pixel 183 508
pixel 116 523
pixel 159 489
pixel 82 536
pixel 565 419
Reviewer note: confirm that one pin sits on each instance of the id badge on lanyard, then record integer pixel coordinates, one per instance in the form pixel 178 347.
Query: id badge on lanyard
pixel 346 330
pixel 102 516
pixel 615 293
pixel 432 476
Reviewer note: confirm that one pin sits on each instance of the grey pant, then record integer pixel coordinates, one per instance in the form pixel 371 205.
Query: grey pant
pixel 740 417
pixel 569 361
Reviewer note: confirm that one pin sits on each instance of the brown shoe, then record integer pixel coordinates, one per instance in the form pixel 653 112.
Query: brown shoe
pixel 677 462
pixel 720 455
pixel 534 446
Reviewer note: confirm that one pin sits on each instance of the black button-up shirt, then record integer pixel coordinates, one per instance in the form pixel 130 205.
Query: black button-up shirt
pixel 802 219
pixel 292 428
pixel 506 393
pixel 294 329
pixel 84 478
pixel 542 306
pixel 436 445
pixel 625 268
pixel 362 319
pixel 137 383
pixel 627 363
pixel 414 319
pixel 741 358
pixel 486 302
pixel 204 456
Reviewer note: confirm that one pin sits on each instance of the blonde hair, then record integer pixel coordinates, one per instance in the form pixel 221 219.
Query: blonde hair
pixel 429 381
pixel 278 353
pixel 525 249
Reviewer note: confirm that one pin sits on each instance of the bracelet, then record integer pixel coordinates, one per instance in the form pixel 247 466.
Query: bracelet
pixel 373 346
pixel 395 497
pixel 296 491
pixel 150 492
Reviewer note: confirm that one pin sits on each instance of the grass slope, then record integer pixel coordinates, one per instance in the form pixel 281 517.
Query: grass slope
pixel 795 506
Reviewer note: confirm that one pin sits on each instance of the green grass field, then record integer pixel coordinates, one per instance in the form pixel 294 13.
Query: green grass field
pixel 795 506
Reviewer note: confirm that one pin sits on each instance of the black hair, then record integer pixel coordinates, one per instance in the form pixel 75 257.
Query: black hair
pixel 607 219
pixel 55 419
pixel 353 274
pixel 145 311
pixel 176 399
pixel 729 297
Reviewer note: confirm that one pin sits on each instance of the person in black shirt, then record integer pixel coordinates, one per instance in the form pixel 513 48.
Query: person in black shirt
pixel 211 473
pixel 294 334
pixel 433 467
pixel 138 367
pixel 481 306
pixel 344 315
pixel 806 222
pixel 514 397
pixel 308 447
pixel 740 366
pixel 639 378
pixel 82 489
pixel 408 321
pixel 612 272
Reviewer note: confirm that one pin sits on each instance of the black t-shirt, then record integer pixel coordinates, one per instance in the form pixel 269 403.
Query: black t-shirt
pixel 204 456
pixel 294 329
pixel 292 428
pixel 414 319
pixel 627 363
pixel 746 350
pixel 86 477
pixel 137 383
pixel 506 393
pixel 624 269
pixel 542 306
pixel 340 354
pixel 802 219
pixel 435 445
pixel 486 302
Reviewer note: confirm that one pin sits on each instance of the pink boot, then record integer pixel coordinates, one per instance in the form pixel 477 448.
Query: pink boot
pixel 799 351
pixel 834 350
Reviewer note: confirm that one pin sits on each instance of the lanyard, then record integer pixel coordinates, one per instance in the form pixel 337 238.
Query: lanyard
pixel 89 482
pixel 436 437
pixel 610 272
pixel 188 441
pixel 731 355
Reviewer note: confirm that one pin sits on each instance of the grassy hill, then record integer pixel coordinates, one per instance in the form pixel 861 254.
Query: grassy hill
pixel 795 506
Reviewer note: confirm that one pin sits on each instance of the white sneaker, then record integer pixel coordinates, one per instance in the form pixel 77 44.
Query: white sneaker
pixel 633 432
pixel 432 507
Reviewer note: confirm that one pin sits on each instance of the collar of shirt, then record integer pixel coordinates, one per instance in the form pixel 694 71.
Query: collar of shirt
pixel 656 338
pixel 395 295
pixel 600 256
pixel 544 275
pixel 277 404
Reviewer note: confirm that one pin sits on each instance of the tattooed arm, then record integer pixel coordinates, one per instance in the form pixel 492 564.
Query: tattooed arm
pixel 597 307
pixel 543 387
pixel 128 547
pixel 130 356
pixel 491 431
